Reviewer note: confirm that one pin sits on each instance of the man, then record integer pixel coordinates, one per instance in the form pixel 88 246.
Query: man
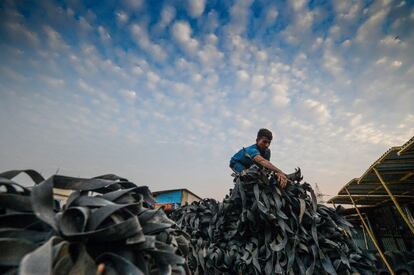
pixel 258 153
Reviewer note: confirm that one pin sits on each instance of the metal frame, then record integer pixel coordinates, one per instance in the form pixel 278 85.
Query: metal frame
pixel 396 180
pixel 392 172
pixel 407 146
pixel 371 235
pixel 365 237
pixel 397 205
pixel 361 199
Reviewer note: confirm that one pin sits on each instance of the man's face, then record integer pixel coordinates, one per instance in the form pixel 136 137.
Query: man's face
pixel 263 143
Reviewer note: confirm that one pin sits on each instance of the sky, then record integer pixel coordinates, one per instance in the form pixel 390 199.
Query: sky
pixel 165 92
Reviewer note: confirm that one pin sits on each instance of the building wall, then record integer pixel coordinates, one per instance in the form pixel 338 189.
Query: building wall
pixel 191 198
pixel 61 195
pixel 170 197
pixel 188 198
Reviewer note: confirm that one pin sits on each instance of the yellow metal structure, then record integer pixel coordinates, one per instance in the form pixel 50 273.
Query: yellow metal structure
pixel 410 225
pixel 371 235
pixel 365 237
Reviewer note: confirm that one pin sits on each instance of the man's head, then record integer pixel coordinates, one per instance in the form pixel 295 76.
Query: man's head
pixel 264 137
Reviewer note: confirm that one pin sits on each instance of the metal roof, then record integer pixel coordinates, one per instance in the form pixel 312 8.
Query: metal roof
pixel 396 166
pixel 407 148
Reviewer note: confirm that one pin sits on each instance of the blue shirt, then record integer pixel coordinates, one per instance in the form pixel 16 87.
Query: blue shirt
pixel 243 159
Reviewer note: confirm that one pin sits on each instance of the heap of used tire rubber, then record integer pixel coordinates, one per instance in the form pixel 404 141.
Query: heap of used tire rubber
pixel 262 229
pixel 105 227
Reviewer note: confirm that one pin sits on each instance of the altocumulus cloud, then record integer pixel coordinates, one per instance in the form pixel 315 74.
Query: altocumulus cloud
pixel 165 93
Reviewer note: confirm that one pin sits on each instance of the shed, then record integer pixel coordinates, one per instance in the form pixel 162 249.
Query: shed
pixel 173 198
pixel 383 199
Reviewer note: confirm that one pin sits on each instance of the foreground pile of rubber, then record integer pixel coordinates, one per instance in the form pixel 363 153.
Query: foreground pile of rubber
pixel 261 229
pixel 105 227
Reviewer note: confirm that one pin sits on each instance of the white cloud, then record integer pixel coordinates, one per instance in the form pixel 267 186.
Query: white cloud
pixel 212 39
pixel 196 77
pixel 244 123
pixel 129 95
pixel 111 67
pixel 89 50
pixel 210 55
pixel 181 33
pixel 153 77
pixel 195 7
pixel 332 62
pixel 211 21
pixel 167 16
pixel 335 32
pixel 258 82
pixel 347 10
pixel 134 137
pixel 182 89
pixel 261 56
pixel 280 101
pixel 401 4
pixel 11 74
pixel 318 110
pixel 371 133
pixel 356 120
pixel 134 4
pixel 121 17
pixel 381 61
pixel 201 126
pixel 86 87
pixel 19 31
pixel 53 82
pixel 242 75
pixel 103 34
pixel 370 30
pixel 396 64
pixel 70 12
pixel 317 43
pixel 391 41
pixel 256 96
pixel 280 96
pixel 185 65
pixel 239 13
pixel 302 19
pixel 84 24
pixel 346 43
pixel 55 40
pixel 298 5
pixel 212 79
pixel 141 37
pixel 271 15
pixel 137 70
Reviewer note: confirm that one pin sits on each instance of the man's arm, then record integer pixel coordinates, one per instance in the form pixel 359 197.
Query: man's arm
pixel 267 164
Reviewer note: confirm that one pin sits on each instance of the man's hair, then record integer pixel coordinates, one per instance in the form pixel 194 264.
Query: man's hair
pixel 264 133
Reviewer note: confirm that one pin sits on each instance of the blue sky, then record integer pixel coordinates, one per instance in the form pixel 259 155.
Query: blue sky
pixel 165 92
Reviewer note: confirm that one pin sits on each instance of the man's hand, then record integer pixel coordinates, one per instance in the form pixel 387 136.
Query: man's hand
pixel 267 164
pixel 282 179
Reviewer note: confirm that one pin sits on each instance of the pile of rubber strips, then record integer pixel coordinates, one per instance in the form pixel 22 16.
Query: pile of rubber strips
pixel 262 229
pixel 106 226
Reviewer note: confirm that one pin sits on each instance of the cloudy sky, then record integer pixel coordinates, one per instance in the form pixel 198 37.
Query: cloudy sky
pixel 165 92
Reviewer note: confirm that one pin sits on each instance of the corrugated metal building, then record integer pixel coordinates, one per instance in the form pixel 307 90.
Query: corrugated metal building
pixel 383 200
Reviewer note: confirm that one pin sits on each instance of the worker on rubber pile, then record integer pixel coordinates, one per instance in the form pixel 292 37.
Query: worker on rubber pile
pixel 259 154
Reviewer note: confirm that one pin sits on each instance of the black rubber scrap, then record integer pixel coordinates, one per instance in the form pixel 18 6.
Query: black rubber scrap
pixel 262 229
pixel 107 226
